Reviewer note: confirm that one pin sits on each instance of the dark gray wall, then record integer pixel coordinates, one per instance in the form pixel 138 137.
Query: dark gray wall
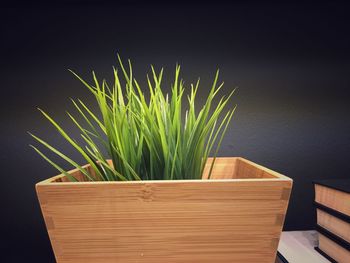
pixel 290 62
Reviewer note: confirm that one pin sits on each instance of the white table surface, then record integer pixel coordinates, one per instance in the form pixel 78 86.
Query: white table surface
pixel 298 247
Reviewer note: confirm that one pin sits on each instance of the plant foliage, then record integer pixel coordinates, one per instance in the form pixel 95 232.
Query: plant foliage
pixel 146 139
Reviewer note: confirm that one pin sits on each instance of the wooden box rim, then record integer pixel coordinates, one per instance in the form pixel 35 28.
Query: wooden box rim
pixel 276 177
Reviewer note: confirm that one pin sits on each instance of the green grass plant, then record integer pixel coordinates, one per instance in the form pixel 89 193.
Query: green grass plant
pixel 146 139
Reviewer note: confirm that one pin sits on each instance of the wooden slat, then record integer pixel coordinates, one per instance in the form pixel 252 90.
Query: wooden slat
pixel 334 225
pixel 333 250
pixel 185 221
pixel 332 198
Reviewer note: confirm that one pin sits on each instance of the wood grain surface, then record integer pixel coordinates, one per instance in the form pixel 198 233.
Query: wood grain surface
pixel 235 219
pixel 332 198
pixel 333 250
pixel 333 224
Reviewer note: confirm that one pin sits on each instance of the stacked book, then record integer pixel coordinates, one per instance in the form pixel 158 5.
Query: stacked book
pixel 332 201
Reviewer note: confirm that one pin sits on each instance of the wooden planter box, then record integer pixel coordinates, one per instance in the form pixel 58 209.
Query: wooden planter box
pixel 236 216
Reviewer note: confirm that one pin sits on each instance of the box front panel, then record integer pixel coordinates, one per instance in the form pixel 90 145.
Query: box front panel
pixel 165 222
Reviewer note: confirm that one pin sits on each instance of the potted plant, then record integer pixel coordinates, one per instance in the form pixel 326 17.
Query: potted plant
pixel 149 192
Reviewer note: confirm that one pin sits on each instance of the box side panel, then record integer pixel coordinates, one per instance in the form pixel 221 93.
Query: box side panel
pixel 332 198
pixel 247 169
pixel 223 168
pixel 43 201
pixel 165 222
